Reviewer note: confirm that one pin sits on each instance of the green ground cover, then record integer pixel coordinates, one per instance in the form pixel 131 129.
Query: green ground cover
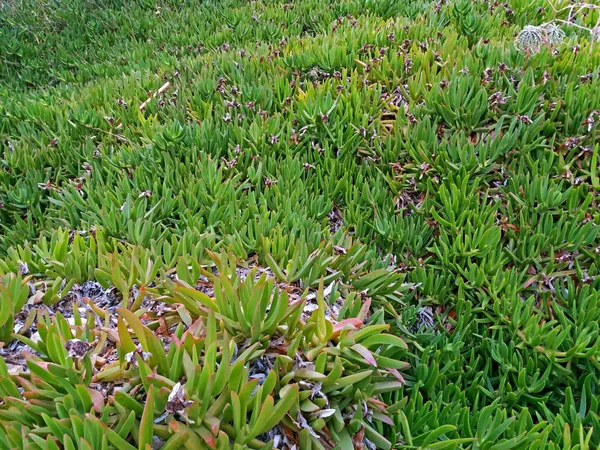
pixel 349 224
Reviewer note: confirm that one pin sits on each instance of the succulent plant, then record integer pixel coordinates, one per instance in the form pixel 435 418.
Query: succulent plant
pixel 14 292
pixel 237 214
pixel 194 370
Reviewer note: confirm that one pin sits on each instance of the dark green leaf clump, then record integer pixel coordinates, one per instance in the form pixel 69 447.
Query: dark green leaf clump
pixel 347 224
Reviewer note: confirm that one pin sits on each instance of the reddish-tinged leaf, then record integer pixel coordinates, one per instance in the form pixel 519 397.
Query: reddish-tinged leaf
pixel 383 418
pixel 178 428
pixel 207 437
pixel 84 445
pixel 43 364
pixel 194 328
pixel 365 353
pixel 529 282
pixel 346 323
pixel 397 375
pixel 364 310
pixel 213 423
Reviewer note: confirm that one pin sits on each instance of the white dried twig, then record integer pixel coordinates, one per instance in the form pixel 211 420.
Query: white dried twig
pixel 160 91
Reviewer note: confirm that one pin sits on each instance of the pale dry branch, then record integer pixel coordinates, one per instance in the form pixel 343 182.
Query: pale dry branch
pixel 162 89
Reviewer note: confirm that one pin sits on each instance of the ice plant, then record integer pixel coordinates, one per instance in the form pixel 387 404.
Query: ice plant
pixel 354 224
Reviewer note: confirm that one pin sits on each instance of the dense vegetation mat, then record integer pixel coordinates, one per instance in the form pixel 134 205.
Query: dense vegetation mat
pixel 347 224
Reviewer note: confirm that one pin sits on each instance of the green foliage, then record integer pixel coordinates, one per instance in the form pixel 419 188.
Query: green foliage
pixel 13 295
pixel 232 368
pixel 357 222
